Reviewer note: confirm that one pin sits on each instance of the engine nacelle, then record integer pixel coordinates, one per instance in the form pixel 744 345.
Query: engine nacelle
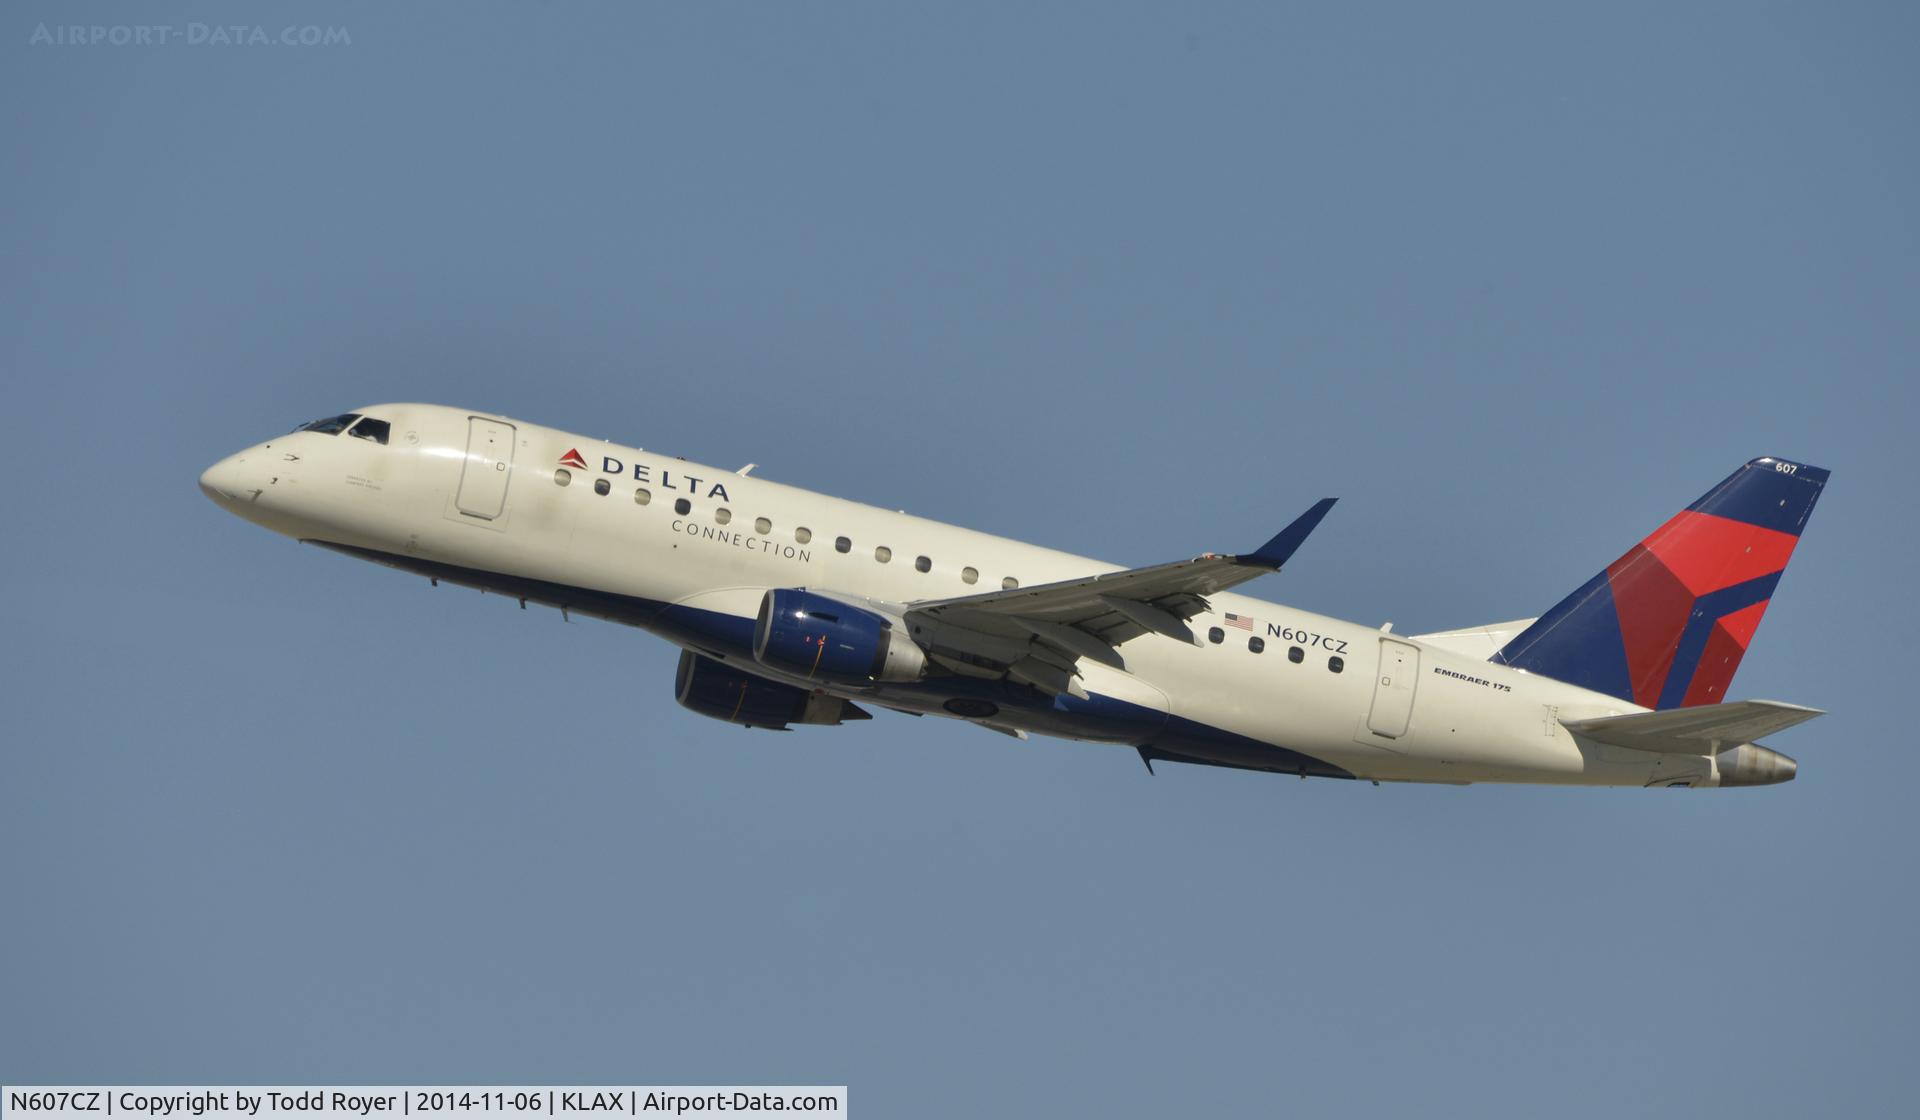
pixel 725 693
pixel 819 638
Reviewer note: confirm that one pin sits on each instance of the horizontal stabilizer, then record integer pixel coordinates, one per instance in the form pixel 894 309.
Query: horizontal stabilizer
pixel 1706 729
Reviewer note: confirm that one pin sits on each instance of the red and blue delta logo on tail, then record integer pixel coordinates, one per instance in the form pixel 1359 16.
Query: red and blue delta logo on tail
pixel 1665 625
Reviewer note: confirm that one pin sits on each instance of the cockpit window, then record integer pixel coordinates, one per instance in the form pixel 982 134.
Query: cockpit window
pixel 332 425
pixel 375 430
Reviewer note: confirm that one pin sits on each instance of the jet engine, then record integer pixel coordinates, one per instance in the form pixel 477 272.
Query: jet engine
pixel 812 636
pixel 723 692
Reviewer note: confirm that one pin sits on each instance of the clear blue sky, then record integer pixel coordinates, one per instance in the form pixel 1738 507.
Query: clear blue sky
pixel 1513 282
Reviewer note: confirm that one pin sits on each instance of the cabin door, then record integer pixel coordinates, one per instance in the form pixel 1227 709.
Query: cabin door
pixel 489 463
pixel 1393 688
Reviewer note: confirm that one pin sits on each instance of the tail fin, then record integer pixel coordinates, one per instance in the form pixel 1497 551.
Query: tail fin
pixel 1665 625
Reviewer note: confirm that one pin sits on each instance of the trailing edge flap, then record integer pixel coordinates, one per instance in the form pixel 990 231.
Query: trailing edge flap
pixel 1088 616
pixel 1706 729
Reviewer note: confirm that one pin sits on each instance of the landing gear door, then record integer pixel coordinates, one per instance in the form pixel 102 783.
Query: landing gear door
pixel 1393 687
pixel 489 464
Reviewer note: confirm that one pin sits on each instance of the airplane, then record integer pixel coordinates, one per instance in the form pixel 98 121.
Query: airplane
pixel 792 607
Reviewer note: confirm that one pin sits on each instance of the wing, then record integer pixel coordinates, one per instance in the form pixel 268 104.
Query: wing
pixel 1707 729
pixel 1038 634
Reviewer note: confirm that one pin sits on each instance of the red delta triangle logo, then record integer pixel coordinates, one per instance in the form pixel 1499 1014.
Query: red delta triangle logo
pixel 572 459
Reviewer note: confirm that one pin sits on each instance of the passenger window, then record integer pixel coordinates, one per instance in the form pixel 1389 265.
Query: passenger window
pixel 562 476
pixel 842 544
pixel 642 496
pixel 970 575
pixel 883 554
pixel 1335 664
pixel 602 487
pixel 762 526
pixel 1257 645
pixel 682 506
pixel 1009 584
pixel 722 515
pixel 1296 655
pixel 922 564
pixel 370 429
pixel 802 535
pixel 1216 635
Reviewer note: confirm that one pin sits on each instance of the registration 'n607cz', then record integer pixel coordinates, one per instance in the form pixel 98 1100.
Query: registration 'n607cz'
pixel 1306 638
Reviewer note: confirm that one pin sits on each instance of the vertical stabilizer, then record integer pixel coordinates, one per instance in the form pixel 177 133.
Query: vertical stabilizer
pixel 1665 625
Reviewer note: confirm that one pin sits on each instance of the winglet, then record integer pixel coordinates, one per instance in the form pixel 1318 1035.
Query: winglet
pixel 1281 548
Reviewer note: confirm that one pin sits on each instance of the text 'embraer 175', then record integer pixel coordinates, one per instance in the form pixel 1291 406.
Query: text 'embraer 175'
pixel 793 607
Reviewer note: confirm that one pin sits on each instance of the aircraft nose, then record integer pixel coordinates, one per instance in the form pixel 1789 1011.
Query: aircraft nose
pixel 222 481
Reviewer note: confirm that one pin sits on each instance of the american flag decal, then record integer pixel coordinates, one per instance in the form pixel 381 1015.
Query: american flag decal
pixel 1239 621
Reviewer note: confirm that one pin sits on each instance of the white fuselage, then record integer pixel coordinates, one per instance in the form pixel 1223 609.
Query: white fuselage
pixel 687 551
